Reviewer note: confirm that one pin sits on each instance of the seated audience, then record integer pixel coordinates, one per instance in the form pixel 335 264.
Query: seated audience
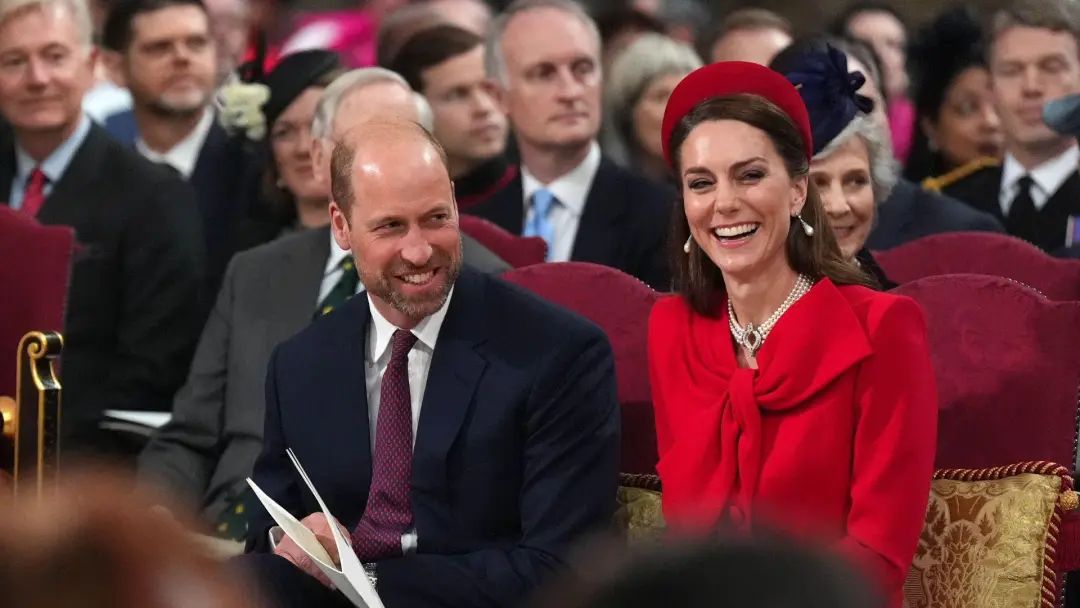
pixel 750 34
pixel 909 212
pixel 636 92
pixel 1034 56
pixel 480 411
pixel 620 26
pixel 445 64
pixel 853 169
pixel 787 394
pixel 410 19
pixel 96 542
pixel 545 57
pixel 878 24
pixel 134 304
pixel 164 53
pixel 726 572
pixel 205 453
pixel 957 121
pixel 288 196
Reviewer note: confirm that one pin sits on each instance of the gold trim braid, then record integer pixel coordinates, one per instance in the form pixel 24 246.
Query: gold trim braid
pixel 936 184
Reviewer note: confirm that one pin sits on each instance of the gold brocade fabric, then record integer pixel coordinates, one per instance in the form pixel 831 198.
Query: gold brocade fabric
pixel 983 544
pixel 639 514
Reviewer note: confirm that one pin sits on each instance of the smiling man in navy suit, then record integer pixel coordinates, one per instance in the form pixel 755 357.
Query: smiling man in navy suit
pixel 464 431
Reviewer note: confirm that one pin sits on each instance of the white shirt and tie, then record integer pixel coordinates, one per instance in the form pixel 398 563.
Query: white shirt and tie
pixel 185 153
pixel 1046 179
pixel 570 191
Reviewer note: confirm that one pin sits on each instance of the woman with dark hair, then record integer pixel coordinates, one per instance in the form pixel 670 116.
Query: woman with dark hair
pixel 289 197
pixel 788 394
pixel 954 106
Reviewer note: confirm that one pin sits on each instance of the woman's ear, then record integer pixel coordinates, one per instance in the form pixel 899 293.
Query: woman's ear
pixel 799 187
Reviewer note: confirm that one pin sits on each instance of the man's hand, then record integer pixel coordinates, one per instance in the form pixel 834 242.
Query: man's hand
pixel 318 524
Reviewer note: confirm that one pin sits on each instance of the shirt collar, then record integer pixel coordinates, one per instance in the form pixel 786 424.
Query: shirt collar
pixel 572 188
pixel 1047 177
pixel 185 153
pixel 58 160
pixel 336 255
pixel 426 332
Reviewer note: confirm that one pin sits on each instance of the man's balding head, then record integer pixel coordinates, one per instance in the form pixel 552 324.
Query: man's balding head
pixel 393 206
pixel 378 101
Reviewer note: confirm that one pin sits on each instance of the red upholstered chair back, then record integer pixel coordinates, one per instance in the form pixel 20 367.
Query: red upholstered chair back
pixel 983 253
pixel 35 262
pixel 620 305
pixel 518 251
pixel 1008 368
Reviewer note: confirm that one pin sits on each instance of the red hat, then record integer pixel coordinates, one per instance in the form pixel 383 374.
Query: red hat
pixel 733 78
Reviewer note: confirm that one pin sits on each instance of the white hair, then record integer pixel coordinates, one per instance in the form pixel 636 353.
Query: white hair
pixel 884 170
pixel 78 10
pixel 495 62
pixel 647 58
pixel 326 109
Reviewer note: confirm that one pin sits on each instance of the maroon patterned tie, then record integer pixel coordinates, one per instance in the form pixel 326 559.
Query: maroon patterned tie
pixel 388 514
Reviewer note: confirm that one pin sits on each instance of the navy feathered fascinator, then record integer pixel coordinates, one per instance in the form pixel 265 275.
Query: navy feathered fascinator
pixel 820 73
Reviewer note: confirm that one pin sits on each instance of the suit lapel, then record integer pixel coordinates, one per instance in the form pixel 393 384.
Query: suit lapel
pixel 7 167
pixel 507 207
pixel 68 200
pixel 597 238
pixel 299 277
pixel 346 408
pixel 456 369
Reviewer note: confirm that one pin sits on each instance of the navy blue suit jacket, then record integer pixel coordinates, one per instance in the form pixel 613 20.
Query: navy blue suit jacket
pixel 516 452
pixel 624 224
pixel 910 213
pixel 224 180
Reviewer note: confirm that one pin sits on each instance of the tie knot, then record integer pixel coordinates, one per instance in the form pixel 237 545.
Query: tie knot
pixel 400 344
pixel 37 177
pixel 347 264
pixel 543 200
pixel 1025 182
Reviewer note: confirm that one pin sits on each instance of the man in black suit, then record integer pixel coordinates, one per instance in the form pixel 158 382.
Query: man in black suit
pixel 163 51
pixel 480 440
pixel 544 56
pixel 1034 58
pixel 133 304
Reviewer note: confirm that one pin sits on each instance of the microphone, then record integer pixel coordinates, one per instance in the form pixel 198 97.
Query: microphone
pixel 1063 115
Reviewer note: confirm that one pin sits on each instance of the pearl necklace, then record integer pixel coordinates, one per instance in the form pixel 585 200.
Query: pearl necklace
pixel 751 338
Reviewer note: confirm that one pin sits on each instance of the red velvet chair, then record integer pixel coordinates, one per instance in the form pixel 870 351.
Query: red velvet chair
pixel 35 262
pixel 1007 361
pixel 983 253
pixel 620 305
pixel 518 251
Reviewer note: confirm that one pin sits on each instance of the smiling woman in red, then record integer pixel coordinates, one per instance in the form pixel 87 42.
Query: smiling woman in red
pixel 788 393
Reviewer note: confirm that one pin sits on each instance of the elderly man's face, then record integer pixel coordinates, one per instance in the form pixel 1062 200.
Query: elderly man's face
pixel 45 70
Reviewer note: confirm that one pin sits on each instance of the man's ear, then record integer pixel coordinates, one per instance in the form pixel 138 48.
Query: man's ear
pixel 339 226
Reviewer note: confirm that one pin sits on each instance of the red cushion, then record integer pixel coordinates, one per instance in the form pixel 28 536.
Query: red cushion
pixel 518 251
pixel 35 261
pixel 620 305
pixel 983 253
pixel 1006 360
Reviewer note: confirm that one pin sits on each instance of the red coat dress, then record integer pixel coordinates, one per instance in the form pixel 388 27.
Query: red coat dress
pixel 831 439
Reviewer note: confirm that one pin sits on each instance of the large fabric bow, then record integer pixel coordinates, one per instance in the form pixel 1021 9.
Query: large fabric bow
pixel 829 91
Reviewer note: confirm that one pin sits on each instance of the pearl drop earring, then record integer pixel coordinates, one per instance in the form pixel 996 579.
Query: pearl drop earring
pixel 686 245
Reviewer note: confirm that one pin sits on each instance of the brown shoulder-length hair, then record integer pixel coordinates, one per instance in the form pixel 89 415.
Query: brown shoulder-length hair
pixel 695 276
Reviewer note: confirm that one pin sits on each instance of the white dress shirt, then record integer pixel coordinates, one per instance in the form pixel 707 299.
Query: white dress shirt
pixel 376 359
pixel 1047 178
pixel 185 153
pixel 571 190
pixel 54 165
pixel 332 273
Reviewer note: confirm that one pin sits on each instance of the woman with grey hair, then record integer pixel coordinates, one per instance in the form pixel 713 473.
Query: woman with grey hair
pixel 853 167
pixel 638 86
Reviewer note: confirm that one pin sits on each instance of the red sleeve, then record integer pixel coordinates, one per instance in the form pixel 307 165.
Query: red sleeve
pixel 661 326
pixel 894 443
